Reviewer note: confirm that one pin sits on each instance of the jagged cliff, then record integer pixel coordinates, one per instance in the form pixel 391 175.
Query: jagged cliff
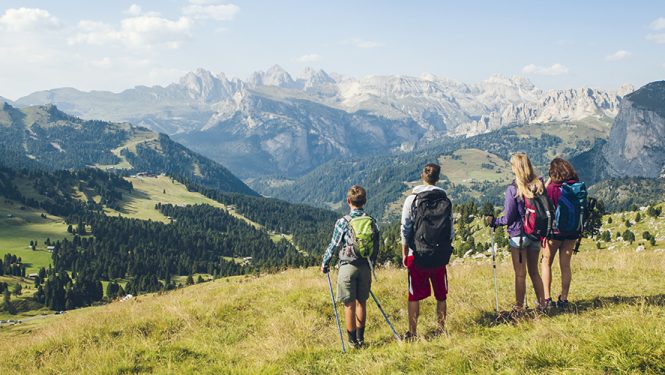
pixel 636 146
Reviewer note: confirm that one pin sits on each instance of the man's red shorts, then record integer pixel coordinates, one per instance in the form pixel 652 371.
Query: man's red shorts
pixel 420 279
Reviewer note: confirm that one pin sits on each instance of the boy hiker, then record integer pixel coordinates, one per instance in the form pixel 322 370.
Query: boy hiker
pixel 358 236
pixel 427 233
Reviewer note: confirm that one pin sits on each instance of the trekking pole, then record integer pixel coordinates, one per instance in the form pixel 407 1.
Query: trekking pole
pixel 496 289
pixel 339 327
pixel 384 315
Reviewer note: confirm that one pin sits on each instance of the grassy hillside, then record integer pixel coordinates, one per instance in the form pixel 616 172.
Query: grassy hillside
pixel 20 226
pixel 466 165
pixel 283 323
pixel 148 191
pixel 47 138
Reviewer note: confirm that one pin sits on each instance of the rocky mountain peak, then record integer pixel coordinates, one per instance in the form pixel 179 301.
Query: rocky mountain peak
pixel 636 145
pixel 312 78
pixel 202 85
pixel 277 76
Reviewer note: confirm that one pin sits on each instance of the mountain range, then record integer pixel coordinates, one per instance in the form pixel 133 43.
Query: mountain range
pixel 272 124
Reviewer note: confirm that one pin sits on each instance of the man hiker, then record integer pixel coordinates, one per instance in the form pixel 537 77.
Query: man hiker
pixel 427 233
pixel 357 237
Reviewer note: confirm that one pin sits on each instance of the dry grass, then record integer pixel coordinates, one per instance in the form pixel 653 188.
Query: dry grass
pixel 283 323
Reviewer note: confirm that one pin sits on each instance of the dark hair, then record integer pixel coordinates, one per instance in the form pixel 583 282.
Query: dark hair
pixel 562 170
pixel 431 173
pixel 357 195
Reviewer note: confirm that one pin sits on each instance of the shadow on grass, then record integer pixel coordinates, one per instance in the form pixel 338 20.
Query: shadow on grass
pixel 490 318
pixel 135 195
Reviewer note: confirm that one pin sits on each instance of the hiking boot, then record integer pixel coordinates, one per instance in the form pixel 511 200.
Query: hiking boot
pixel 517 312
pixel 353 340
pixel 562 303
pixel 409 337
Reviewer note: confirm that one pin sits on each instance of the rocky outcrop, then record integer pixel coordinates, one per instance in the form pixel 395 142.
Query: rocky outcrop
pixel 636 146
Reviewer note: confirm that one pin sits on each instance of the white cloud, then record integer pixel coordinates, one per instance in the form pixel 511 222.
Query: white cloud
pixel 211 10
pixel 618 55
pixel 27 19
pixel 554 70
pixel 134 10
pixel 362 43
pixel 657 38
pixel 140 31
pixel 658 24
pixel 309 58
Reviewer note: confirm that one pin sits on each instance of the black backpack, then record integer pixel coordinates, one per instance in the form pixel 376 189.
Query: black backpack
pixel 432 228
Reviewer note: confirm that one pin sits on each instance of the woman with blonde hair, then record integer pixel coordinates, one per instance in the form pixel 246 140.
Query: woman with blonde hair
pixel 526 185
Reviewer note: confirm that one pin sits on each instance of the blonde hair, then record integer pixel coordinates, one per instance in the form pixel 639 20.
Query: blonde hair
pixel 528 184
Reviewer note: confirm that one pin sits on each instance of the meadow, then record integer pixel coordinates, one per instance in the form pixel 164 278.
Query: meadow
pixel 284 323
pixel 20 226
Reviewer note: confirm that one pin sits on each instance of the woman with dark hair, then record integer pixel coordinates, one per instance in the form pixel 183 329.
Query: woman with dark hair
pixel 561 172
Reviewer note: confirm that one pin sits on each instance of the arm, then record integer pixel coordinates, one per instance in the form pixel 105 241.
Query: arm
pixel 510 213
pixel 406 228
pixel 337 236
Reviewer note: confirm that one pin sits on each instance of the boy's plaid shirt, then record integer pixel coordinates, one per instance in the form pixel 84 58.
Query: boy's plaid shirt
pixel 339 233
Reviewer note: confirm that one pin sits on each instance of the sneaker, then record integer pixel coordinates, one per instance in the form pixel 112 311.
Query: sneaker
pixel 548 304
pixel 409 337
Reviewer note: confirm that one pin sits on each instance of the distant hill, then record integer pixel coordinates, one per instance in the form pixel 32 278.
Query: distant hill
pixel 44 136
pixel 473 168
pixel 625 192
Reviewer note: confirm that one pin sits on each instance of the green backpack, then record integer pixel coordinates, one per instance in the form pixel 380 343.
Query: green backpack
pixel 362 232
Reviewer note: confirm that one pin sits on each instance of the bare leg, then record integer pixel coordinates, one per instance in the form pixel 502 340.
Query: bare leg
pixel 565 256
pixel 520 275
pixel 549 251
pixel 414 311
pixel 532 265
pixel 361 311
pixel 350 316
pixel 441 314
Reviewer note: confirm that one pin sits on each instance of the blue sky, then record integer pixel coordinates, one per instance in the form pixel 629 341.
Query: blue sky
pixel 113 45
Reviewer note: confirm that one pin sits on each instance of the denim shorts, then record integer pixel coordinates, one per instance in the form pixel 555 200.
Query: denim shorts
pixel 527 243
